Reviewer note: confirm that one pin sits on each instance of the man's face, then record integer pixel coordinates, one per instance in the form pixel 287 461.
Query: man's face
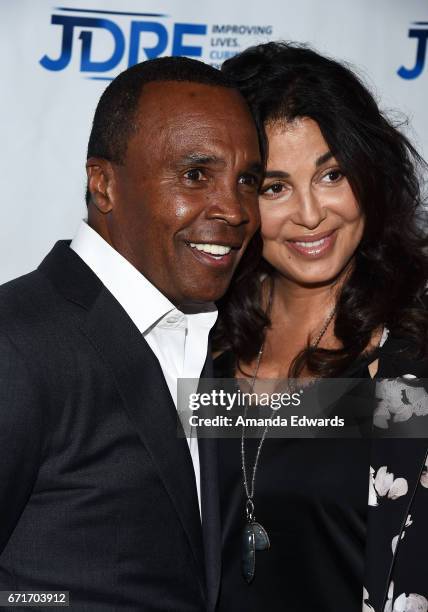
pixel 184 203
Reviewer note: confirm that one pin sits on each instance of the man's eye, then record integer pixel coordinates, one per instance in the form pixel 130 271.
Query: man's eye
pixel 194 174
pixel 248 179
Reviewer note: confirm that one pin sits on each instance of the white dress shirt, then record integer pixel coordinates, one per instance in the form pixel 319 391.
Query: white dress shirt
pixel 178 340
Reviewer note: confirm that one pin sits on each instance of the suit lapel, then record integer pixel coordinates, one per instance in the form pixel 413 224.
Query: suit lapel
pixel 210 505
pixel 140 382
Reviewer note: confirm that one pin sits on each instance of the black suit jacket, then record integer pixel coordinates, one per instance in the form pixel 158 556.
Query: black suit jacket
pixel 97 491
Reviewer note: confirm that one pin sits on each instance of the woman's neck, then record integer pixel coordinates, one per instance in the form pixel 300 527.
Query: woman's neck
pixel 298 315
pixel 305 306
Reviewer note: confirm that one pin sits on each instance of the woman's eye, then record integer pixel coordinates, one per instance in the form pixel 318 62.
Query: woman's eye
pixel 194 175
pixel 273 190
pixel 333 176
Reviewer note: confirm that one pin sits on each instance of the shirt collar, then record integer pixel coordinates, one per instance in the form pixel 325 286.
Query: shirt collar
pixel 141 300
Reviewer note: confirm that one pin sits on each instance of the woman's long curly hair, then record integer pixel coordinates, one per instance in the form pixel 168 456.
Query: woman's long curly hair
pixel 387 284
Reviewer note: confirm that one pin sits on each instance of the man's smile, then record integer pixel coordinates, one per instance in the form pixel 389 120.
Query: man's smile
pixel 214 253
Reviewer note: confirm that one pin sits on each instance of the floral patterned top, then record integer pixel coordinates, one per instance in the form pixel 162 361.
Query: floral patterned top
pixel 330 550
pixel 396 577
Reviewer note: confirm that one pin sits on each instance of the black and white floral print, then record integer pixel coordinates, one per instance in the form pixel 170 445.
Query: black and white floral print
pixel 399 399
pixel 367 607
pixel 424 475
pixel 413 602
pixel 383 485
pixel 403 533
pixel 397 527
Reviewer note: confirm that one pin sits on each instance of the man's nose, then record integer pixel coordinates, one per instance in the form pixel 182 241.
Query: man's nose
pixel 231 207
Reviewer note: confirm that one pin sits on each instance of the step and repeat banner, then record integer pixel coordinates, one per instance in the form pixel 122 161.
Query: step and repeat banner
pixel 56 59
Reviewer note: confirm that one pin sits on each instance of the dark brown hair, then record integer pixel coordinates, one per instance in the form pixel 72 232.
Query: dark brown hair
pixel 387 285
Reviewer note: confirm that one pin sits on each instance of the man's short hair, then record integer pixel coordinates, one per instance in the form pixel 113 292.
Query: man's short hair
pixel 114 119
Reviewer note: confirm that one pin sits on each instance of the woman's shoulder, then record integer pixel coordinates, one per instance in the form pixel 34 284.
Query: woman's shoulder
pixel 399 356
pixel 224 364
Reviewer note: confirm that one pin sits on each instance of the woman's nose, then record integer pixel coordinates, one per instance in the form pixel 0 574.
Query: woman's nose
pixel 309 210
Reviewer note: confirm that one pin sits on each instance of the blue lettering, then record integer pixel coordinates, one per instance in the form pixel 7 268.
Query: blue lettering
pixel 138 42
pixel 413 73
pixel 151 52
pixel 86 64
pixel 180 29
pixel 68 24
pixel 221 55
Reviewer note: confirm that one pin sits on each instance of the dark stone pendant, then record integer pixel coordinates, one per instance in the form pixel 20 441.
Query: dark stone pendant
pixel 254 537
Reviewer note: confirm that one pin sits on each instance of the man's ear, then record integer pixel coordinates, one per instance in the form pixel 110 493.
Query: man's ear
pixel 100 179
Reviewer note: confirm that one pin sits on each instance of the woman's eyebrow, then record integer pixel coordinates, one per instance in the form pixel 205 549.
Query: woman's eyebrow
pixel 276 174
pixel 284 175
pixel 323 158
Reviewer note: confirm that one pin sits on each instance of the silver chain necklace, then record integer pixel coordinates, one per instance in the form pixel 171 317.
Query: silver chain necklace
pixel 254 536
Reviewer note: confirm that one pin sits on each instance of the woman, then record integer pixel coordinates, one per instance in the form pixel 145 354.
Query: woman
pixel 339 292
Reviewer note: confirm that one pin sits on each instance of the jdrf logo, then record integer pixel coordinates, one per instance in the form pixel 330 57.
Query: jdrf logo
pixel 150 36
pixel 421 35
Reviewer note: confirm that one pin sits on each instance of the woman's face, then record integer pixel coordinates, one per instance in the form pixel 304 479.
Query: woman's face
pixel 311 221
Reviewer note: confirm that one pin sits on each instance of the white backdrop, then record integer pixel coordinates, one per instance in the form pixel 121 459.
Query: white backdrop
pixel 57 59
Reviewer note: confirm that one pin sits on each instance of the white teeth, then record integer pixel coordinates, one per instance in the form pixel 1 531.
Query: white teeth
pixel 211 249
pixel 310 245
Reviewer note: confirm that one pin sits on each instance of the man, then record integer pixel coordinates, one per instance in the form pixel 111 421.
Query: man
pixel 98 494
